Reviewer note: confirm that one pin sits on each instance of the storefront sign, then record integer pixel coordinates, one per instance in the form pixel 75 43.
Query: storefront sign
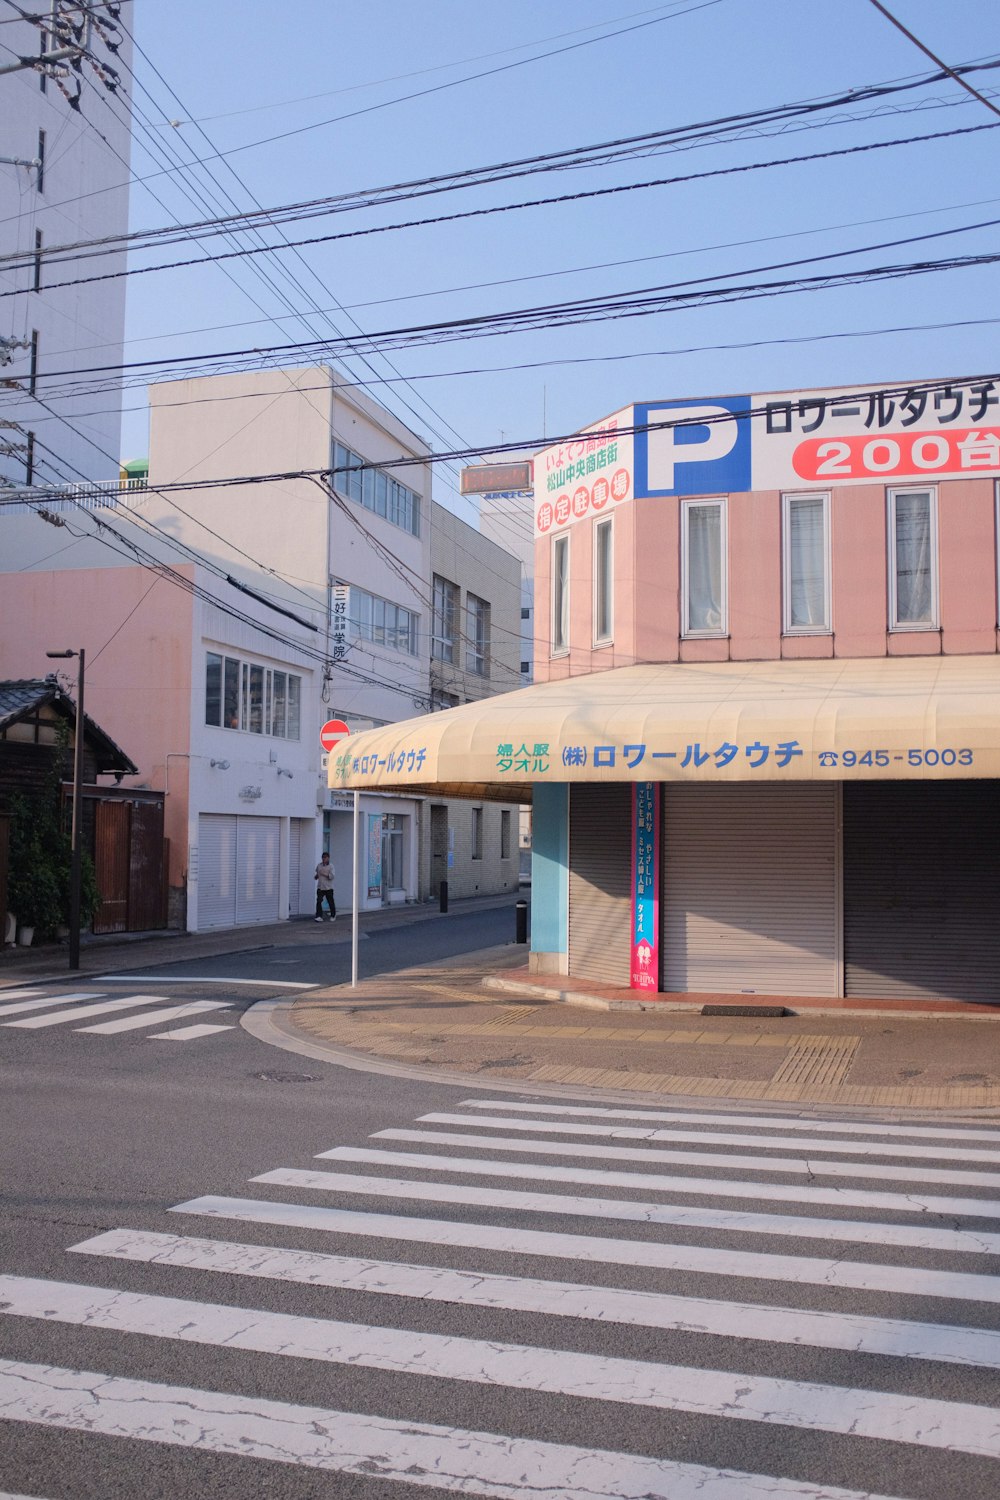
pixel 645 966
pixel 338 622
pixel 374 855
pixel 827 438
pixel 585 477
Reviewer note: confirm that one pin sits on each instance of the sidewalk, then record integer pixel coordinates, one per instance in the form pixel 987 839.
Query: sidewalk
pixel 121 951
pixel 483 1018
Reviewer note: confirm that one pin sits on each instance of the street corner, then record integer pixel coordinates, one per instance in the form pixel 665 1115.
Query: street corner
pixel 446 1022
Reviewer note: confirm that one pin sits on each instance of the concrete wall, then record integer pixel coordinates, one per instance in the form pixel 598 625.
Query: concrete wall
pixel 489 876
pixel 84 196
pixel 477 566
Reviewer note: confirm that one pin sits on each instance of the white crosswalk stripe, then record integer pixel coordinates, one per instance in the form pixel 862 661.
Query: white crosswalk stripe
pixel 143 1012
pixel 624 1296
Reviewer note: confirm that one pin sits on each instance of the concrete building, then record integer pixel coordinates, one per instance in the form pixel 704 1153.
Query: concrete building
pixel 475 653
pixel 764 739
pixel 63 180
pixel 310 603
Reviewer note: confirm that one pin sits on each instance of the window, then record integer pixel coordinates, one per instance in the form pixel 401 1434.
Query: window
pixel 477 636
pixel 504 834
pixel 525 612
pixel 703 567
pixel 603 576
pixel 249 696
pixel 806 564
pixel 477 833
pixel 29 459
pixel 913 586
pixel 37 283
pixel 440 700
pixel 381 621
pixel 560 595
pixel 375 490
pixel 525 666
pixel 40 158
pixel 33 367
pixel 445 612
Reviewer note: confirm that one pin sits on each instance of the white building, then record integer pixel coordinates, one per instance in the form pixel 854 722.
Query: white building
pixel 63 179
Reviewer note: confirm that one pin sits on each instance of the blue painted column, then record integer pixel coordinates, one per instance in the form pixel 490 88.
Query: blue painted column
pixel 550 879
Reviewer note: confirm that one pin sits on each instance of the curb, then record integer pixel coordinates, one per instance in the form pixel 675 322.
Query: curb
pixel 269 1021
pixel 582 1000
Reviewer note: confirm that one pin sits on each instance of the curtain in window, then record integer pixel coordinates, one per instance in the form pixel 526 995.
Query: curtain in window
pixel 560 594
pixel 806 565
pixel 704 539
pixel 914 595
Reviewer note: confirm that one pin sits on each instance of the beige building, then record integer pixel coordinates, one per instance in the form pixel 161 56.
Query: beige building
pixel 474 653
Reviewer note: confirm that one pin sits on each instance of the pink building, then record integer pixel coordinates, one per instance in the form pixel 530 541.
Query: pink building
pixel 763 744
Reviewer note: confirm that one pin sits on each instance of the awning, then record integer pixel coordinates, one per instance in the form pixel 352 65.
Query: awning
pixel 884 718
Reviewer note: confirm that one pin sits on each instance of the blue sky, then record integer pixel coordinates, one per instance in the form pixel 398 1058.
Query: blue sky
pixel 237 67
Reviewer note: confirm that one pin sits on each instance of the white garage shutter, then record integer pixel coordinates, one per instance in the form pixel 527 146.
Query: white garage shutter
pixel 750 889
pixel 257 870
pixel 294 865
pixel 216 870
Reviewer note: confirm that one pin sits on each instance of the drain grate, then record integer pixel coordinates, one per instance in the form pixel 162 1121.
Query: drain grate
pixel 286 1077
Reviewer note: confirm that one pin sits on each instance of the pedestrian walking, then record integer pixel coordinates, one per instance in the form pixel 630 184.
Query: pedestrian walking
pixel 324 888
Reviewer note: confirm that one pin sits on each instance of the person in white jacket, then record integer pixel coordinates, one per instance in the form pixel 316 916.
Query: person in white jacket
pixel 324 888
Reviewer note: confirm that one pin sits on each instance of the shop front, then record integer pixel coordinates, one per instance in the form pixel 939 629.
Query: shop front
pixel 813 828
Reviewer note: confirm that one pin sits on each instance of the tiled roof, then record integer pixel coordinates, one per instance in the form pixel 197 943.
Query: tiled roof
pixel 24 695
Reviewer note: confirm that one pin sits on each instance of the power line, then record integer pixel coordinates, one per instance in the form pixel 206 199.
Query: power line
pixel 951 72
pixel 503 208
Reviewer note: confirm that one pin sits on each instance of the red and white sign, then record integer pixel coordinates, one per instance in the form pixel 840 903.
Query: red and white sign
pixel 333 731
pixel 581 475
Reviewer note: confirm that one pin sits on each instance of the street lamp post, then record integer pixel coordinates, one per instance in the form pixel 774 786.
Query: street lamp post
pixel 77 833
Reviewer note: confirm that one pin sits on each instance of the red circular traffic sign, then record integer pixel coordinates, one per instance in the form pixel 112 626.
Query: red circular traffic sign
pixel 333 731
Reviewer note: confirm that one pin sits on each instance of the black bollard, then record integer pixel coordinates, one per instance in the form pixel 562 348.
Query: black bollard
pixel 520 921
pixel 444 895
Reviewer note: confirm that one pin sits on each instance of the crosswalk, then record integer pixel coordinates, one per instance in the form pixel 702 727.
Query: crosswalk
pixel 37 1010
pixel 741 1306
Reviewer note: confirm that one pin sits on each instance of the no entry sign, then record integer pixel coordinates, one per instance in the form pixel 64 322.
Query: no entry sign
pixel 333 731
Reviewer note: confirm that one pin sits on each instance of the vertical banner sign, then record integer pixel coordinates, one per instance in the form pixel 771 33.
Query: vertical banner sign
pixel 645 967
pixel 338 632
pixel 374 855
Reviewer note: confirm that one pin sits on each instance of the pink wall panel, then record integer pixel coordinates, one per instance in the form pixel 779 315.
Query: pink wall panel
pixel 755 576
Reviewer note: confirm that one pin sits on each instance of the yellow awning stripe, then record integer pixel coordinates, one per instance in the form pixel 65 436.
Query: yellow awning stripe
pixel 875 719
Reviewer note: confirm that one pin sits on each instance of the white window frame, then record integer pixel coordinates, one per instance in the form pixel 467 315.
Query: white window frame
pixel 561 647
pixel 723 629
pixel 895 625
pixel 477 635
pixel 444 618
pixel 787 502
pixel 604 523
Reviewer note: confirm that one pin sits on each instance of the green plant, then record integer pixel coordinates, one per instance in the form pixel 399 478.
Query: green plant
pixel 41 855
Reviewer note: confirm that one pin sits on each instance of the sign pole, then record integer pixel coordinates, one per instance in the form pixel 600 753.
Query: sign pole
pixel 354 912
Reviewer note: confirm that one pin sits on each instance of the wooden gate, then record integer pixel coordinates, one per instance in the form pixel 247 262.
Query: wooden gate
pixel 130 866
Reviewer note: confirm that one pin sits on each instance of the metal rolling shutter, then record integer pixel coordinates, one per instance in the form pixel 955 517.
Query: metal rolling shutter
pixel 216 870
pixel 257 868
pixel 600 890
pixel 294 866
pixel 750 889
pixel 922 889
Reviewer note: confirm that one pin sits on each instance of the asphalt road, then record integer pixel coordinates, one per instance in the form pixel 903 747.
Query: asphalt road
pixel 519 1297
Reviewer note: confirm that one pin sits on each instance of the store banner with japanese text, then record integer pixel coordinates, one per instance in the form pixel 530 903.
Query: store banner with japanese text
pixel 645 963
pixel 588 475
pixel 786 440
pixel 822 439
